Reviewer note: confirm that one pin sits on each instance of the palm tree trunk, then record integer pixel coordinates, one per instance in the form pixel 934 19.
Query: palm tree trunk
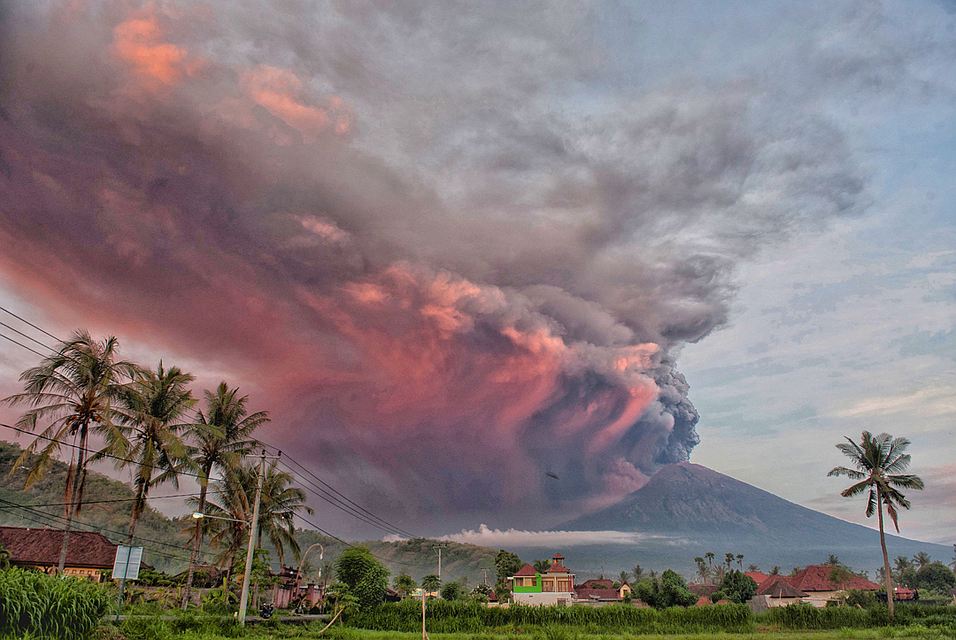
pixel 197 542
pixel 74 497
pixel 138 505
pixel 887 575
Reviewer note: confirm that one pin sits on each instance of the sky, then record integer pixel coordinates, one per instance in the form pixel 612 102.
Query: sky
pixel 457 249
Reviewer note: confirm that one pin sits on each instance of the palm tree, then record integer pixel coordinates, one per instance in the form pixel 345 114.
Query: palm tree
pixel 752 568
pixel 541 566
pixel 833 560
pixel 221 436
pixel 728 559
pixel 710 555
pixel 72 392
pixel 624 577
pixel 740 561
pixel 148 435
pixel 879 463
pixel 922 559
pixel 902 564
pixel 404 584
pixel 775 570
pixel 639 572
pixel 703 572
pixel 431 583
pixel 277 508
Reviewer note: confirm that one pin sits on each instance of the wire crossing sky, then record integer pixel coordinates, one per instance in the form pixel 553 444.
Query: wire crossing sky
pixel 458 249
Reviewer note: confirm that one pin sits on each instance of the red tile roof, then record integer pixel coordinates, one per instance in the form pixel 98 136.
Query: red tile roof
pixel 703 601
pixel 582 593
pixel 558 568
pixel 757 576
pixel 526 570
pixel 41 547
pixel 819 577
pixel 779 587
pixel 596 583
pixel 699 589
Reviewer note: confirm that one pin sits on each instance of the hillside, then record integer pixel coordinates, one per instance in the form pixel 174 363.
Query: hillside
pixel 415 557
pixel 686 510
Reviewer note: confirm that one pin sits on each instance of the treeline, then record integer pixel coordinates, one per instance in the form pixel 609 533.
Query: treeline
pixel 149 422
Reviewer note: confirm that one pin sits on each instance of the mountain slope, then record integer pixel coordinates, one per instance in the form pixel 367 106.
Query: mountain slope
pixel 693 509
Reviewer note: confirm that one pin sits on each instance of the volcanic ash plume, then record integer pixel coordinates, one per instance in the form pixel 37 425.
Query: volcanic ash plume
pixel 447 291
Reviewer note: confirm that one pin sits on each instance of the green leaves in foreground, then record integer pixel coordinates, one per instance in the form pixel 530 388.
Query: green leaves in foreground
pixel 35 604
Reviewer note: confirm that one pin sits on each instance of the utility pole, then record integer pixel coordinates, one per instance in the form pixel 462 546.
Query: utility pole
pixel 253 534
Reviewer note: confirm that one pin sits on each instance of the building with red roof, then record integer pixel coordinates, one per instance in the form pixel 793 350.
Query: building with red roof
pixel 819 584
pixel 757 576
pixel 555 586
pixel 89 553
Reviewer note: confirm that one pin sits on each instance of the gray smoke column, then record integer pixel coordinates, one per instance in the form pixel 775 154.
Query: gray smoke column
pixel 444 272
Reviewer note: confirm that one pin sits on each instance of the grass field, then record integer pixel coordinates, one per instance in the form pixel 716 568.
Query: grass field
pixel 573 633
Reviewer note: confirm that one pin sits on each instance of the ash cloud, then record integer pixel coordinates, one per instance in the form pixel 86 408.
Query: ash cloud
pixel 444 268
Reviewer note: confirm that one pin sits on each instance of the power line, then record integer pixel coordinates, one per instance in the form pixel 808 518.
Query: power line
pixel 385 524
pixel 27 336
pixel 25 321
pixel 320 493
pixel 117 500
pixel 54 519
pixel 347 544
pixel 329 493
pixel 20 344
pixel 76 446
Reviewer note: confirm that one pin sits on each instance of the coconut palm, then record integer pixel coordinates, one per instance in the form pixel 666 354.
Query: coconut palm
pixel 541 566
pixel 221 436
pixel 879 463
pixel 624 577
pixel 277 508
pixel 922 559
pixel 638 572
pixel 72 395
pixel 148 435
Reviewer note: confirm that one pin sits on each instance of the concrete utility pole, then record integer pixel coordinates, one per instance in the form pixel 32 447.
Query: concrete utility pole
pixel 439 547
pixel 253 534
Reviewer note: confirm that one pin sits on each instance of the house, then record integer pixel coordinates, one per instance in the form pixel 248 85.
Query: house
pixel 555 586
pixel 601 590
pixel 825 583
pixel 89 553
pixel 776 591
pixel 759 577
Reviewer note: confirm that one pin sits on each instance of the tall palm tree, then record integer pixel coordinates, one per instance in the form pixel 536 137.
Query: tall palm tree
pixel 879 463
pixel 922 559
pixel 148 436
pixel 277 508
pixel 624 577
pixel 638 573
pixel 221 436
pixel 73 394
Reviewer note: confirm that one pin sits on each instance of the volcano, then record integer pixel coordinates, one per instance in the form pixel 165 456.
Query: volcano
pixel 686 510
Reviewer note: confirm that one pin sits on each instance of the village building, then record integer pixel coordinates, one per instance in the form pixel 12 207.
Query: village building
pixel 776 591
pixel 825 583
pixel 89 554
pixel 601 590
pixel 553 587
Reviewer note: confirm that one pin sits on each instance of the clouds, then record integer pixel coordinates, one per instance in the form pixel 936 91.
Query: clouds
pixel 448 251
pixel 510 538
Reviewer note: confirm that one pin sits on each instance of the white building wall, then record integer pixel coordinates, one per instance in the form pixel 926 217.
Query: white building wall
pixel 547 598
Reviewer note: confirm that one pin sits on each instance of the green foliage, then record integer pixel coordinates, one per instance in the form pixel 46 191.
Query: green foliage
pixel 856 598
pixel 431 583
pixel 472 617
pixel 35 604
pixel 146 628
pixel 506 564
pixel 4 558
pixel 370 589
pixel 935 576
pixel 220 601
pixel 668 590
pixel 405 584
pixel 803 616
pixel 737 587
pixel 452 591
pixel 353 564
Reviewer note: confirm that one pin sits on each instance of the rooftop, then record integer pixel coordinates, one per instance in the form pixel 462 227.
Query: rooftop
pixel 41 547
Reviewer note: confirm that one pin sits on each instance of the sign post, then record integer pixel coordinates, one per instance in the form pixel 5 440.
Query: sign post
pixel 125 567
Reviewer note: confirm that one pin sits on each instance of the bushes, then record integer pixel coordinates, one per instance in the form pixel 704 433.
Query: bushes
pixel 472 617
pixel 803 616
pixel 46 606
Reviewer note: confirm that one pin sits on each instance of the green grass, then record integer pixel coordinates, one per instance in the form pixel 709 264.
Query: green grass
pixel 565 633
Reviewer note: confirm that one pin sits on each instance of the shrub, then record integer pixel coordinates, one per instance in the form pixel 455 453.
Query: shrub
pixel 472 617
pixel 36 604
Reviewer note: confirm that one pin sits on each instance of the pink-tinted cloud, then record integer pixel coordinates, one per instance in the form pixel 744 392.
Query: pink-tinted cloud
pixel 439 309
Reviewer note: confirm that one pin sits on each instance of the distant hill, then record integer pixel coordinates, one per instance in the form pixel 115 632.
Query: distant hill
pixel 415 557
pixel 687 509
